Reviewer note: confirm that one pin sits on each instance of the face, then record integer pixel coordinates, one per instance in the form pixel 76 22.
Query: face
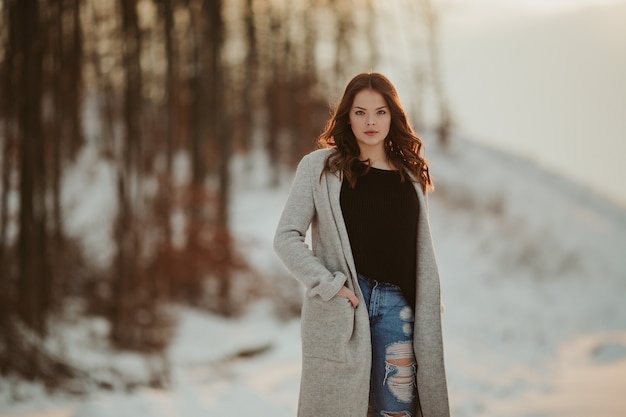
pixel 370 120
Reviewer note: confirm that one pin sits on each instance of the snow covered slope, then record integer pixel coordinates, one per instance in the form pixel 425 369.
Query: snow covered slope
pixel 533 270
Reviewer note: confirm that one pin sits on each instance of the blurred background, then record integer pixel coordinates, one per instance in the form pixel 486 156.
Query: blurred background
pixel 147 147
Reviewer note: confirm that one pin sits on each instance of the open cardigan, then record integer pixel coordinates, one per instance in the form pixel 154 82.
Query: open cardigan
pixel 336 344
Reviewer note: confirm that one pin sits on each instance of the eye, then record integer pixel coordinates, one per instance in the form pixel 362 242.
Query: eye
pixel 382 112
pixel 359 112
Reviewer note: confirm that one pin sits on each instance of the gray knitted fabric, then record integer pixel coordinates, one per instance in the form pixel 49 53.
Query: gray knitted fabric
pixel 336 345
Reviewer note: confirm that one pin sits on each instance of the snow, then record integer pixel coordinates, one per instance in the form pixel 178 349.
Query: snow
pixel 533 276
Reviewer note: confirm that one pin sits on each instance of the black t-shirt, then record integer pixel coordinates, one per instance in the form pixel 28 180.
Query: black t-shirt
pixel 381 217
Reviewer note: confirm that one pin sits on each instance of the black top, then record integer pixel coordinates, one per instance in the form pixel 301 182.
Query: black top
pixel 381 217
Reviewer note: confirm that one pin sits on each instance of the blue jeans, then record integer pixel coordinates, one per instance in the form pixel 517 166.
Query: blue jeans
pixel 393 390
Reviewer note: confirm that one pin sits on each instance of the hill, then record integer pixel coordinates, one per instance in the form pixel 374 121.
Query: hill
pixel 533 275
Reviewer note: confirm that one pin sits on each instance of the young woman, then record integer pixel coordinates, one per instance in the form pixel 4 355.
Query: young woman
pixel 371 318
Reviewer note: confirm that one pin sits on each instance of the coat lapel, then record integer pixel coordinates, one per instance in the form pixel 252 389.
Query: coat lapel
pixel 333 183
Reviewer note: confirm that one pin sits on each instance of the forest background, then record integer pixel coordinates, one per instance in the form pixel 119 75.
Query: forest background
pixel 167 92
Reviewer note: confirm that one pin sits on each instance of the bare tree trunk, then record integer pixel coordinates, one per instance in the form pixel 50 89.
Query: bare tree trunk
pixel 200 113
pixel 7 157
pixel 32 256
pixel 274 94
pixel 219 115
pixel 343 39
pixel 7 117
pixel 75 81
pixel 27 279
pixel 166 286
pixel 220 135
pixel 55 125
pixel 445 118
pixel 249 88
pixel 127 291
pixel 171 78
pixel 7 113
pixel 372 40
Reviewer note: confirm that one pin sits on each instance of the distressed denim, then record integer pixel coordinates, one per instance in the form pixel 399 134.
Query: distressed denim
pixel 392 384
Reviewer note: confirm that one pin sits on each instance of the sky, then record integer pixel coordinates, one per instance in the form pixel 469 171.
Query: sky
pixel 542 78
pixel 539 6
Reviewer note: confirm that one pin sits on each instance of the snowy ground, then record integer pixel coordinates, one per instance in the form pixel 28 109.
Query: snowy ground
pixel 533 274
pixel 534 277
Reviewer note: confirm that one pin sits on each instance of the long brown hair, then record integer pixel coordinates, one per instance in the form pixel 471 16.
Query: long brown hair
pixel 402 145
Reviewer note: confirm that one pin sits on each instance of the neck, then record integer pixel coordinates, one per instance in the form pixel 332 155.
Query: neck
pixel 376 156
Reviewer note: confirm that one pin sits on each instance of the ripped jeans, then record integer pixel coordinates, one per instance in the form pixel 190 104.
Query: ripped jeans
pixel 393 390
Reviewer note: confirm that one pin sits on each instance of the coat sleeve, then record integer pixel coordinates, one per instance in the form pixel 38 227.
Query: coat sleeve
pixel 442 305
pixel 289 240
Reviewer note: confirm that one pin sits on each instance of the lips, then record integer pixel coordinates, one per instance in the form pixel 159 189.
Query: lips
pixel 371 132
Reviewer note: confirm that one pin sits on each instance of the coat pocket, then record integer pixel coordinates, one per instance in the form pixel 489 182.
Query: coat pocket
pixel 326 328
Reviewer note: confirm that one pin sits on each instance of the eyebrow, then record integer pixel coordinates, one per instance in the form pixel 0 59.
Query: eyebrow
pixel 363 108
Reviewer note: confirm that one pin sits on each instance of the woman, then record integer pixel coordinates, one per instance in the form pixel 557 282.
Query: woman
pixel 371 318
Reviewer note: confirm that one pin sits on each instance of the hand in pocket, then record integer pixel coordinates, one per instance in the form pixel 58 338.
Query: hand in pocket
pixel 349 294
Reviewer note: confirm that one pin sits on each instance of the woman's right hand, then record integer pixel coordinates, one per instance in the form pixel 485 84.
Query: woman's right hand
pixel 349 294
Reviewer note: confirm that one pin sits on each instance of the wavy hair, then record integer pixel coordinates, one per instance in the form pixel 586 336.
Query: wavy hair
pixel 402 145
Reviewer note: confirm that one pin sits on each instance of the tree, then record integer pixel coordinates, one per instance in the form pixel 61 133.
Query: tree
pixel 431 20
pixel 168 87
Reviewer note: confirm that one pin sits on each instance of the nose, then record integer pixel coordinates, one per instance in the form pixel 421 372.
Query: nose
pixel 370 121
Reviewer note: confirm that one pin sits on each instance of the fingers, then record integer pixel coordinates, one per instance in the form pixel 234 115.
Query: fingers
pixel 353 299
pixel 349 294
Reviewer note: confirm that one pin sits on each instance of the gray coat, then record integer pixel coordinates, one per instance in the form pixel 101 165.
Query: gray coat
pixel 336 345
